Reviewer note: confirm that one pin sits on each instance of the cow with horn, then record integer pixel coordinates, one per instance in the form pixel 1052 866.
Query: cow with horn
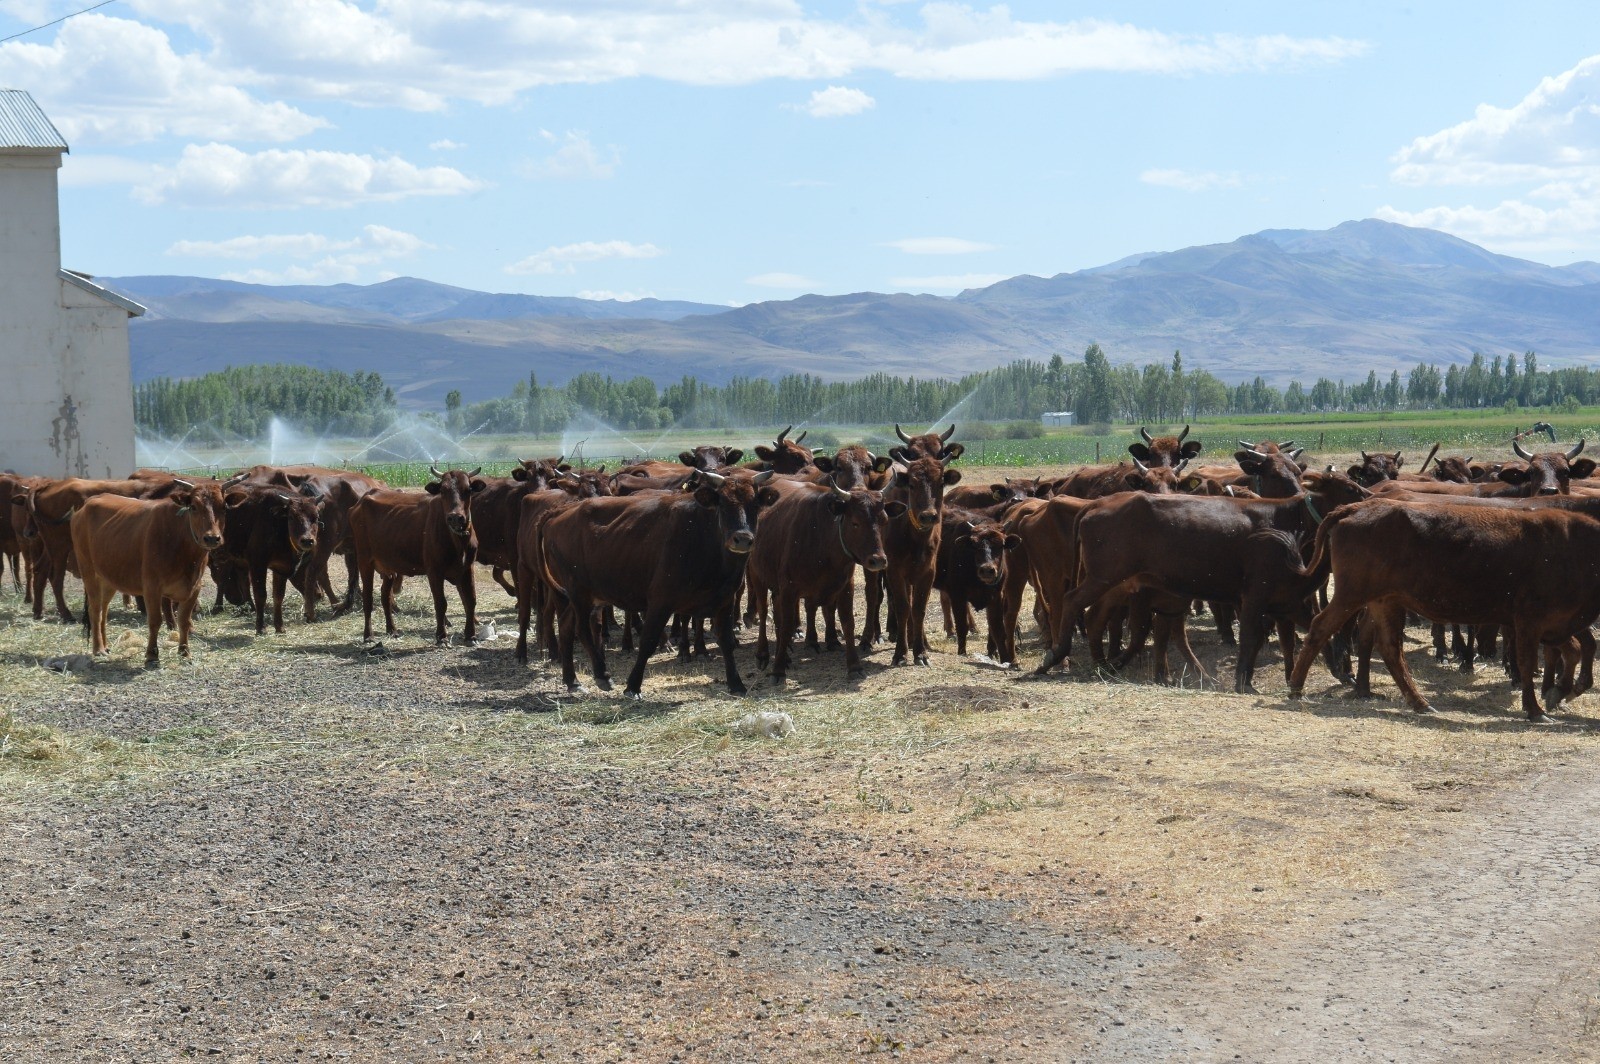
pixel 927 445
pixel 785 456
pixel 399 534
pixel 1169 451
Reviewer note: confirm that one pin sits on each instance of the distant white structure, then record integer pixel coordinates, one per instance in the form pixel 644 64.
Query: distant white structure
pixel 1058 419
pixel 66 384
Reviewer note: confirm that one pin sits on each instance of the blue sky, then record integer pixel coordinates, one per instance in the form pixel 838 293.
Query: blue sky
pixel 730 152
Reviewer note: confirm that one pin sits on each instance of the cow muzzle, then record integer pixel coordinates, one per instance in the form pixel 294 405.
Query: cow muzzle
pixel 308 543
pixel 211 541
pixel 989 574
pixel 457 524
pixel 927 518
pixel 741 542
pixel 1548 490
pixel 876 563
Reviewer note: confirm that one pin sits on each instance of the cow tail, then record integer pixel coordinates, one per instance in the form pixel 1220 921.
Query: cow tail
pixel 543 567
pixel 1320 565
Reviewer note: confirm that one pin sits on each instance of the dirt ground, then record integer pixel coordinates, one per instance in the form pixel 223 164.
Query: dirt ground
pixel 296 847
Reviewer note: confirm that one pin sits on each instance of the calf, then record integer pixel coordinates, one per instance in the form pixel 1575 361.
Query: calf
pixel 972 572
pixel 152 548
pixel 399 534
pixel 269 531
pixel 912 544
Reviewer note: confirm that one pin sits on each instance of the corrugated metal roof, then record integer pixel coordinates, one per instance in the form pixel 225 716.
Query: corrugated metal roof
pixel 23 126
pixel 73 277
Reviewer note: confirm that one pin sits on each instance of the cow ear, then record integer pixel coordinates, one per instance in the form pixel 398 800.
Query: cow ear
pixel 1190 449
pixel 881 463
pixel 1513 474
pixel 895 508
pixel 1013 541
pixel 1581 467
pixel 897 453
pixel 706 497
pixel 431 487
pixel 1134 480
pixel 767 496
pixel 478 484
pixel 952 452
pixel 1141 452
pixel 764 452
pixel 686 457
pixel 1000 492
pixel 823 462
pixel 235 499
pixel 1398 461
pixel 1192 482
pixel 564 467
pixel 952 476
pixel 182 498
pixel 1354 473
pixel 519 473
pixel 733 455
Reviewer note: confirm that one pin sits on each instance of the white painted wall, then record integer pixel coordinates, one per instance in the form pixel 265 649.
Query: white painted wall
pixel 66 400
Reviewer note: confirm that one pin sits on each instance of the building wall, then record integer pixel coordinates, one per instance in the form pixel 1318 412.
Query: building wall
pixel 66 401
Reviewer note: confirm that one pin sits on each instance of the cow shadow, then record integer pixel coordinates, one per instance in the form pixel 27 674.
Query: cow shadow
pixel 1337 703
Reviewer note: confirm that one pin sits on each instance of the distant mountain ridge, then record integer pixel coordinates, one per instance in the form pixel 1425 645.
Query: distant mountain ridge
pixel 1284 304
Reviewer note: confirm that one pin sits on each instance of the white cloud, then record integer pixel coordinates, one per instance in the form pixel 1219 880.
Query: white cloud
pixel 947 282
pixel 337 260
pixel 836 101
pixel 1191 180
pixel 620 297
pixel 575 160
pixel 560 259
pixel 420 54
pixel 939 245
pixel 113 80
pixel 780 280
pixel 219 175
pixel 85 171
pixel 1545 148
pixel 446 145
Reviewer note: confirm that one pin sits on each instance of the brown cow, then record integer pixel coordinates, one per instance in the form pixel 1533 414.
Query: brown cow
pixel 1169 451
pixel 912 544
pixel 1097 482
pixel 785 456
pixel 711 457
pixel 11 542
pixel 972 571
pixel 927 445
pixel 1534 564
pixel 152 548
pixel 813 537
pixel 401 534
pixel 1376 468
pixel 268 530
pixel 656 554
pixel 497 510
pixel 994 499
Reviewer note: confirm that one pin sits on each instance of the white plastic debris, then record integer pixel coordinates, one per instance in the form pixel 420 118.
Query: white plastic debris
pixel 766 724
pixel 70 663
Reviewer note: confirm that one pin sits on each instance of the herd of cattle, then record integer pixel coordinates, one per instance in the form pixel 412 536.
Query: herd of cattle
pixel 1119 554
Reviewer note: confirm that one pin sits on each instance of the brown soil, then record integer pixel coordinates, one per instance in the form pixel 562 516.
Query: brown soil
pixel 293 848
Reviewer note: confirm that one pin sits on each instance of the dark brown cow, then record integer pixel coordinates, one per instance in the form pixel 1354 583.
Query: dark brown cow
pixel 11 542
pixel 497 510
pixel 1001 494
pixel 912 543
pixel 1534 564
pixel 1457 470
pixel 656 554
pixel 927 445
pixel 1097 482
pixel 1375 468
pixel 973 552
pixel 785 456
pixel 853 467
pixel 1194 547
pixel 152 548
pixel 268 530
pixel 1169 451
pixel 52 505
pixel 711 457
pixel 813 537
pixel 1549 473
pixel 399 534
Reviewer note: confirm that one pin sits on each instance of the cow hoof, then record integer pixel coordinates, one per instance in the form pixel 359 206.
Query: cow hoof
pixel 856 674
pixel 1295 694
pixel 738 689
pixel 633 696
pixel 921 659
pixel 1422 709
pixel 152 664
pixel 603 682
pixel 1361 696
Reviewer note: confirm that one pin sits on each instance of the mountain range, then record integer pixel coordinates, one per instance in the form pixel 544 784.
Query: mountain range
pixel 1284 304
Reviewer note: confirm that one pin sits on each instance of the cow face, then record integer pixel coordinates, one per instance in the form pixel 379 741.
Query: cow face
pixel 737 502
pixel 709 456
pixel 1169 451
pixel 920 486
pixel 1375 468
pixel 1548 473
pixel 22 513
pixel 1454 470
pixel 1277 472
pixel 1333 488
pixel 988 544
pixel 861 515
pixel 202 508
pixel 1154 480
pixel 785 455
pixel 455 490
pixel 928 445
pixel 301 515
pixel 541 471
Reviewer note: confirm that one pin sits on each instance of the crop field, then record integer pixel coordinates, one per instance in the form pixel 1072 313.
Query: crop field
pixel 304 847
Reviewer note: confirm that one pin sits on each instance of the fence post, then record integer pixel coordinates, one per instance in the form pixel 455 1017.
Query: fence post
pixel 1096 452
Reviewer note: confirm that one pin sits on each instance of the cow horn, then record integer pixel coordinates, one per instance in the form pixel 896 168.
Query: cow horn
pixel 838 492
pixel 1294 455
pixel 802 436
pixel 1179 470
pixel 1142 467
pixel 1146 434
pixel 1184 433
pixel 1247 445
pixel 185 484
pixel 1363 457
pixel 1467 460
pixel 475 472
pixel 973 525
pixel 944 437
pixel 714 479
pixel 433 467
pixel 1285 445
pixel 782 434
pixel 1519 450
pixel 762 478
pixel 1575 451
pixel 898 431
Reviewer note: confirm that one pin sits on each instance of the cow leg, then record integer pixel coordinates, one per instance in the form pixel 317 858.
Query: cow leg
pixel 467 592
pixel 1252 634
pixel 680 636
pixel 1181 631
pixel 390 585
pixel 871 627
pixel 1527 664
pixel 500 578
pixel 583 621
pixel 1560 663
pixel 58 580
pixel 917 623
pixel 846 604
pixel 258 593
pixel 525 581
pixel 441 636
pixel 811 628
pixel 960 613
pixel 830 617
pixel 1586 669
pixel 1286 643
pixel 186 621
pixel 152 620
pixel 1223 612
pixel 1324 626
pixel 91 609
pixel 946 613
pixel 757 601
pixel 1391 629
pixel 1439 651
pixel 1091 590
pixel 1161 634
pixel 727 642
pixel 785 620
pixel 366 601
pixel 698 621
pixel 279 580
pixel 349 589
pixel 41 578
pixel 1366 635
pixel 655 622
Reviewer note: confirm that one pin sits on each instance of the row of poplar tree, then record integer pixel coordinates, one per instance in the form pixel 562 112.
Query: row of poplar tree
pixel 239 402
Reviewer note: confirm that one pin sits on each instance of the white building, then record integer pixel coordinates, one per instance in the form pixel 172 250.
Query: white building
pixel 1058 419
pixel 66 387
